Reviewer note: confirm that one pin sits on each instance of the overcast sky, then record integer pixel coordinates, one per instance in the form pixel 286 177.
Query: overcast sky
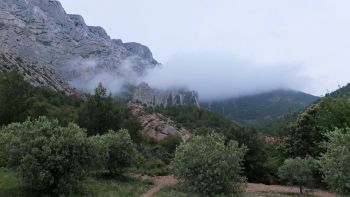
pixel 311 35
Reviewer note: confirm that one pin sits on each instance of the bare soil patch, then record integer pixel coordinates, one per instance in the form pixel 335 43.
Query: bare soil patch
pixel 252 187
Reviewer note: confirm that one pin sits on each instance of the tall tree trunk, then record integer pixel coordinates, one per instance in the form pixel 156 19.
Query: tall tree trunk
pixel 301 188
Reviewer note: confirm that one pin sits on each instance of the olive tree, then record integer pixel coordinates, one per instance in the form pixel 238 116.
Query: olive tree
pixel 298 171
pixel 206 165
pixel 49 158
pixel 335 162
pixel 114 151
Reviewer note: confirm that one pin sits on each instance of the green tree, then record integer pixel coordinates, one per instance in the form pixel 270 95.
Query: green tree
pixel 13 94
pixel 298 171
pixel 50 159
pixel 115 151
pixel 307 133
pixel 335 162
pixel 304 136
pixel 99 114
pixel 207 166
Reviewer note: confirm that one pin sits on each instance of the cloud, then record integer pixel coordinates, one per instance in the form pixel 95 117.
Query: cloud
pixel 219 76
pixel 214 75
pixel 86 74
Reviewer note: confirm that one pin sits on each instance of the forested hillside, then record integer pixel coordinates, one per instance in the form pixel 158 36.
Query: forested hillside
pixel 261 110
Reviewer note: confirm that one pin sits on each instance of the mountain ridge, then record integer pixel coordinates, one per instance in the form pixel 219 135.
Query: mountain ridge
pixel 261 110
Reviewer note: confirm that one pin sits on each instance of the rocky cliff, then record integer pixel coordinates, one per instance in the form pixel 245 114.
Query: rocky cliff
pixel 41 32
pixel 155 97
pixel 156 125
pixel 37 75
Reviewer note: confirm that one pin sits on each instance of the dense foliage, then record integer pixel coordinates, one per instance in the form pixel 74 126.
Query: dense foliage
pixel 279 127
pixel 49 158
pixel 155 156
pixel 100 113
pixel 116 151
pixel 298 171
pixel 52 159
pixel 14 92
pixel 19 100
pixel 306 134
pixel 208 166
pixel 203 122
pixel 335 161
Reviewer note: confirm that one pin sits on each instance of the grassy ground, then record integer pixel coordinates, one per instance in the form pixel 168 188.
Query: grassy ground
pixel 127 187
pixel 93 186
pixel 176 191
pixel 9 184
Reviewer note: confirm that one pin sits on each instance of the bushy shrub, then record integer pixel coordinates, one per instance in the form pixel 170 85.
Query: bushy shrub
pixel 298 171
pixel 167 146
pixel 114 151
pixel 335 162
pixel 207 166
pixel 99 150
pixel 50 159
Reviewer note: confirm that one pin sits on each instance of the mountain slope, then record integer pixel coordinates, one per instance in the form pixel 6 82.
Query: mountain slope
pixel 38 76
pixel 342 92
pixel 307 131
pixel 263 109
pixel 41 32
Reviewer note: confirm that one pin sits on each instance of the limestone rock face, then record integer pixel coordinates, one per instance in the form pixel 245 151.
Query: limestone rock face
pixel 156 125
pixel 41 32
pixel 154 97
pixel 35 74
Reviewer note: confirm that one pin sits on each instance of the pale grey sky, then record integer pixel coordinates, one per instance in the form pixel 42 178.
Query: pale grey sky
pixel 312 35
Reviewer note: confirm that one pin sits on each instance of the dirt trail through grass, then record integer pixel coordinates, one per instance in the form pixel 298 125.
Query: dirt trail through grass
pixel 165 181
pixel 160 182
pixel 252 187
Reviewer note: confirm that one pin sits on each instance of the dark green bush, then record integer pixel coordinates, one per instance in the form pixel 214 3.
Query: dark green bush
pixel 100 113
pixel 114 151
pixel 207 166
pixel 170 143
pixel 13 94
pixel 50 159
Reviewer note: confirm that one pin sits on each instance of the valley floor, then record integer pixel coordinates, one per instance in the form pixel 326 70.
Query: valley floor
pixel 162 186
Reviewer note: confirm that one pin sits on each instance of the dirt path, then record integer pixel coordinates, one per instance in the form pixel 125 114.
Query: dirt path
pixel 164 181
pixel 160 182
pixel 252 187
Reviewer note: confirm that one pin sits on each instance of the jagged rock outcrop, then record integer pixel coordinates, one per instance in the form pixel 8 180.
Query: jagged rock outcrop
pixel 154 97
pixel 35 74
pixel 156 125
pixel 41 32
